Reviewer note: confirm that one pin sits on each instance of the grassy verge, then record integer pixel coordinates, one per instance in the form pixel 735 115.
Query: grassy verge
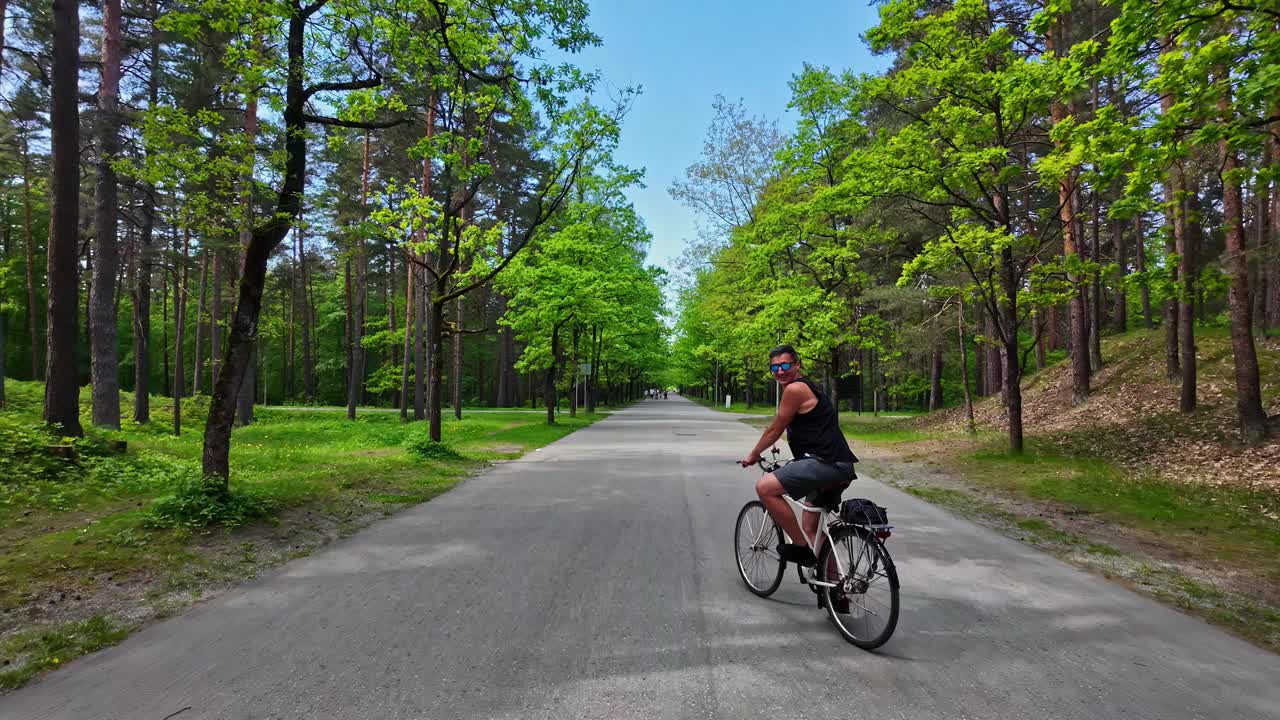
pixel 86 554
pixel 1208 550
pixel 765 408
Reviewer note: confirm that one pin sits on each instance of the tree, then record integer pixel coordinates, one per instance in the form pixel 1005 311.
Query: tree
pixel 62 396
pixel 105 346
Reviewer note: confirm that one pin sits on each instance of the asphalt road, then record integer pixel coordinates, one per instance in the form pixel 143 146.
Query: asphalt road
pixel 595 579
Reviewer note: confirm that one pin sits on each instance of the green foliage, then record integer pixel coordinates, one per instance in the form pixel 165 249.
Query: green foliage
pixel 199 502
pixel 424 447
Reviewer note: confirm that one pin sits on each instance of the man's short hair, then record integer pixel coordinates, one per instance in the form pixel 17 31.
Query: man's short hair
pixel 784 349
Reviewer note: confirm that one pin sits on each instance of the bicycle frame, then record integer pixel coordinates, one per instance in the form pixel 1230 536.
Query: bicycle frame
pixel 825 525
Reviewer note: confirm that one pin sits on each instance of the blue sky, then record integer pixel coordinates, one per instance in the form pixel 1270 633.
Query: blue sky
pixel 683 53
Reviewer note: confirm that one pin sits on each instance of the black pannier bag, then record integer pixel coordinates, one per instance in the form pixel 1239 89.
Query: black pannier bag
pixel 860 511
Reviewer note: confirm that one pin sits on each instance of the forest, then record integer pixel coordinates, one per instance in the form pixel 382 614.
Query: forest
pixel 1024 180
pixel 396 203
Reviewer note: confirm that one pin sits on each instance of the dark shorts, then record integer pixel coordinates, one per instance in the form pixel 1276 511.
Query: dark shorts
pixel 814 481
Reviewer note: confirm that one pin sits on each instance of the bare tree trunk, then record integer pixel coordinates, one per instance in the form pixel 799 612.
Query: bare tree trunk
pixel 435 359
pixel 1095 308
pixel 244 403
pixel 308 357
pixel 1175 222
pixel 1261 224
pixel 355 382
pixel 215 318
pixel 1140 256
pixel 409 344
pixel 459 308
pixel 37 370
pixel 179 328
pixel 573 363
pixel 1079 348
pixel 549 383
pixel 105 349
pixel 164 326
pixel 935 381
pixel 1187 249
pixel 142 296
pixel 201 323
pixel 62 389
pixel 1120 313
pixel 1253 420
pixel 142 317
pixel 421 338
pixel 995 374
pixel 964 367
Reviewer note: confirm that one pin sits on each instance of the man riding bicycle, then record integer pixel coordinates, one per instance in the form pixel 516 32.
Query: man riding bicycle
pixel 823 465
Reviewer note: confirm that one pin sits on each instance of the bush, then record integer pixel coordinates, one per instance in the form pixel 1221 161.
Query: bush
pixel 24 454
pixel 203 501
pixel 424 447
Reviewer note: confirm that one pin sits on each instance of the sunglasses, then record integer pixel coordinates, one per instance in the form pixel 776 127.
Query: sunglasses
pixel 775 367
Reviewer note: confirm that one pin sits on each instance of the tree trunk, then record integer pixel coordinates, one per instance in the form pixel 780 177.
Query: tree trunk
pixel 459 308
pixel 1140 257
pixel 201 325
pixel 1120 313
pixel 1059 38
pixel 935 381
pixel 308 357
pixel 1253 421
pixel 1257 263
pixel 422 322
pixel 215 317
pixel 105 349
pixel 1175 224
pixel 421 340
pixel 964 367
pixel 410 275
pixel 244 403
pixel 435 360
pixel 995 373
pixel 1187 249
pixel 577 376
pixel 37 370
pixel 179 328
pixel 142 317
pixel 164 327
pixel 142 298
pixel 549 381
pixel 266 237
pixel 1095 308
pixel 62 389
pixel 355 382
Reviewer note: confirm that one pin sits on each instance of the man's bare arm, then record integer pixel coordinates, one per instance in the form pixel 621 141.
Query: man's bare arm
pixel 793 398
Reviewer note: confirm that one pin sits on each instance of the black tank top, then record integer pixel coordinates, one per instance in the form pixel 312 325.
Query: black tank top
pixel 817 432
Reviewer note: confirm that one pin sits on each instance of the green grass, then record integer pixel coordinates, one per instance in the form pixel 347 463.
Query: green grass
pixel 873 429
pixel 1228 524
pixel 27 654
pixel 66 526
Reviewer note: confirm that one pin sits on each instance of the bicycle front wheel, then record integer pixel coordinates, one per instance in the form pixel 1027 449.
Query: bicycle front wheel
pixel 863 605
pixel 756 540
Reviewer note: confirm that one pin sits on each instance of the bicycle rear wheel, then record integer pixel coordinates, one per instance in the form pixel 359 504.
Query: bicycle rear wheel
pixel 868 589
pixel 756 540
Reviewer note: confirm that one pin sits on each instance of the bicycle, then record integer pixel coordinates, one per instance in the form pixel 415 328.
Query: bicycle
pixel 858 571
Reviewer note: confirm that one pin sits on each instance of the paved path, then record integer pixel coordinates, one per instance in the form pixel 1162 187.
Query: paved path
pixel 594 579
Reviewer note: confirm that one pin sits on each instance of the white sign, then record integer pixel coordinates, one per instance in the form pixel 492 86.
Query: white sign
pixel 584 369
pixel 728 401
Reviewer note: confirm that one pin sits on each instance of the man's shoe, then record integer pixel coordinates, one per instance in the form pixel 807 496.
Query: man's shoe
pixel 798 554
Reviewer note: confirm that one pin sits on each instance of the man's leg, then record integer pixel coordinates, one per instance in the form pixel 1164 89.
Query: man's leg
pixel 769 489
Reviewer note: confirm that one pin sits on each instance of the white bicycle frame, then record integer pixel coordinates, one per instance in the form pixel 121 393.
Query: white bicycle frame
pixel 824 526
